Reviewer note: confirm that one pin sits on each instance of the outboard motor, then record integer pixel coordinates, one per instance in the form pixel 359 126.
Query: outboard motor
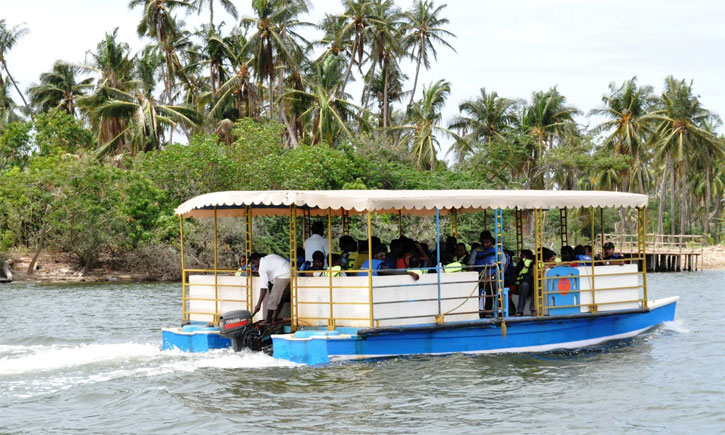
pixel 238 327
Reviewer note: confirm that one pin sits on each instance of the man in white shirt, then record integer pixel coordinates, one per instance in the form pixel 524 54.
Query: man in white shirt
pixel 273 270
pixel 316 242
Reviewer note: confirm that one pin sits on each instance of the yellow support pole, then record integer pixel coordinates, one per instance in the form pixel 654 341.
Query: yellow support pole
pixel 564 226
pixel 593 307
pixel 183 272
pixel 539 272
pixel 519 231
pixel 454 223
pixel 601 233
pixel 293 267
pixel 216 268
pixel 400 224
pixel 370 266
pixel 345 223
pixel 331 320
pixel 248 252
pixel 642 249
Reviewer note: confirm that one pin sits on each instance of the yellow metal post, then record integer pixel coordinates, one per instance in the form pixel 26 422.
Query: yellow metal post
pixel 601 233
pixel 183 271
pixel 345 223
pixel 370 266
pixel 454 223
pixel 294 314
pixel 519 224
pixel 539 272
pixel 641 249
pixel 248 252
pixel 400 224
pixel 331 320
pixel 593 307
pixel 216 268
pixel 564 226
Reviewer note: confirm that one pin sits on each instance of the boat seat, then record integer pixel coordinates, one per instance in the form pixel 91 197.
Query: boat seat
pixel 562 291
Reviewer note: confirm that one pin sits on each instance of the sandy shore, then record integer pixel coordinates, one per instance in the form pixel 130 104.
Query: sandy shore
pixel 52 267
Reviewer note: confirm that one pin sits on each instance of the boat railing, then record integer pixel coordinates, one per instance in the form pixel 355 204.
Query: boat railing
pixel 591 287
pixel 341 301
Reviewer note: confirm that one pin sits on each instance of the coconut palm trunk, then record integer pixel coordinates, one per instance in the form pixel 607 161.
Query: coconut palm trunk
pixel 663 196
pixel 5 67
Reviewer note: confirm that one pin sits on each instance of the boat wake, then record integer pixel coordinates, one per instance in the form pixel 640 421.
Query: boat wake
pixel 677 325
pixel 26 371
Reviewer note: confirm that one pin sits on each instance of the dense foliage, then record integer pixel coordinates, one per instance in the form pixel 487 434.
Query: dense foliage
pixel 91 166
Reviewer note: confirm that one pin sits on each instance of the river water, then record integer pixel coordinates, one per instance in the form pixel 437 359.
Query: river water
pixel 87 358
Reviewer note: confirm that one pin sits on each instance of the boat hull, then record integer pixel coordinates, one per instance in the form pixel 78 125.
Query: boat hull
pixel 193 338
pixel 523 334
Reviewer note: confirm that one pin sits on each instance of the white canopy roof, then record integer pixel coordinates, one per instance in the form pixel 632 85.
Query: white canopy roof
pixel 277 202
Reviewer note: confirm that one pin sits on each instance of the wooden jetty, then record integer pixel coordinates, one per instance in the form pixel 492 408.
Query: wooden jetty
pixel 665 253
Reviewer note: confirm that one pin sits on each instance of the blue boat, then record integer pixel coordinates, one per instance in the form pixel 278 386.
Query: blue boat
pixel 371 315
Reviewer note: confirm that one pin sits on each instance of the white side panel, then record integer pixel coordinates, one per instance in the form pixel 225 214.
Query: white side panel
pixel 395 298
pixel 232 295
pixel 623 282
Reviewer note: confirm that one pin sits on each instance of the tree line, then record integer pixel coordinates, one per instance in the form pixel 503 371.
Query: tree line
pixel 215 84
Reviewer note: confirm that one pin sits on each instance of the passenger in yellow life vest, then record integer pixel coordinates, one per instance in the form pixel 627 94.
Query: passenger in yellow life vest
pixel 450 265
pixel 336 269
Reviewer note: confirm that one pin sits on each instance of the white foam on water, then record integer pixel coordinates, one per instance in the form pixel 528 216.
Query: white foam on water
pixel 35 359
pixel 677 325
pixel 28 371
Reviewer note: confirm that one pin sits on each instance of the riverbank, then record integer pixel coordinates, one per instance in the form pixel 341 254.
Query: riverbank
pixel 60 267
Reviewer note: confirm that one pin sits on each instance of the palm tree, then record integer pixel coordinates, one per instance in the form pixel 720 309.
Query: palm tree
pixel 237 91
pixel 143 116
pixel 483 118
pixel 59 88
pixel 112 63
pixel 327 113
pixel 355 33
pixel 549 119
pixel 226 4
pixel 423 28
pixel 384 49
pixel 629 110
pixel 8 108
pixel 8 38
pixel 276 43
pixel 158 24
pixel 423 124
pixel 681 131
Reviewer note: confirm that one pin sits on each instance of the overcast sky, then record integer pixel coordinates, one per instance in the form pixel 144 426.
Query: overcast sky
pixel 511 47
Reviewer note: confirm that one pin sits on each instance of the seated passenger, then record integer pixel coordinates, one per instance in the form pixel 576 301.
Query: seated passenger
pixel 318 263
pixel 379 252
pixel 349 252
pixel 460 253
pixel 450 265
pixel 396 250
pixel 549 258
pixel 362 254
pixel 416 266
pixel 567 256
pixel 241 271
pixel 336 269
pixel 316 242
pixel 580 254
pixel 609 254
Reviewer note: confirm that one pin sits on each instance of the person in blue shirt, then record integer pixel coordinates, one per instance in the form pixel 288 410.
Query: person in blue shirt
pixel 379 252
pixel 581 254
